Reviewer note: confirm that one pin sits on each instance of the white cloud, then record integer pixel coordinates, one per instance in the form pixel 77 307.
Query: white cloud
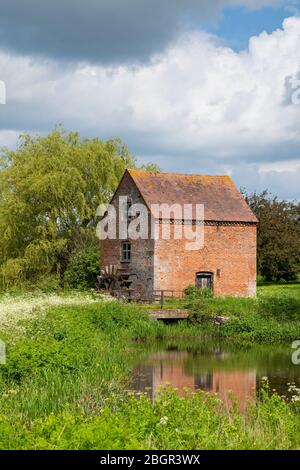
pixel 287 165
pixel 280 182
pixel 199 106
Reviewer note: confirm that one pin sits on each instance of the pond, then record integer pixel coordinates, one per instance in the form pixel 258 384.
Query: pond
pixel 215 367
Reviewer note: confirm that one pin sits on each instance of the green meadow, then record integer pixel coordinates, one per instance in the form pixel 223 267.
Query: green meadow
pixel 69 360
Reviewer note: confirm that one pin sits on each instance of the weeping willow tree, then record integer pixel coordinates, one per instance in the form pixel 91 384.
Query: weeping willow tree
pixel 50 188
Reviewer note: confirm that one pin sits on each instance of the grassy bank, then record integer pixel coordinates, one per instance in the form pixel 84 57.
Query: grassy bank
pixel 67 373
pixel 272 317
pixel 170 422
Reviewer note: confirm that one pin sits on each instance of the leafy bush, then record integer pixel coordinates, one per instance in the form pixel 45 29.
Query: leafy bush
pixel 83 269
pixel 193 292
pixel 48 283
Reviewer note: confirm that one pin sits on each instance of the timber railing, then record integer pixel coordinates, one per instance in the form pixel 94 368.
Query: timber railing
pixel 162 295
pixel 132 295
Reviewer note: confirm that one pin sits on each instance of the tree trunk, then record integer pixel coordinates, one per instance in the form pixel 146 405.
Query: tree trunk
pixel 63 264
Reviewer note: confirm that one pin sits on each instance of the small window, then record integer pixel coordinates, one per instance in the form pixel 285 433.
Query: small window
pixel 126 252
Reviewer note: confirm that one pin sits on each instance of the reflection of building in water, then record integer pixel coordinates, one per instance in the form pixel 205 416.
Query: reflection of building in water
pixel 241 384
pixel 172 372
pixel 170 367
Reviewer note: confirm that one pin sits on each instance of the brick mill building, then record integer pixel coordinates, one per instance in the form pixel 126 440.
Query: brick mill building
pixel 227 261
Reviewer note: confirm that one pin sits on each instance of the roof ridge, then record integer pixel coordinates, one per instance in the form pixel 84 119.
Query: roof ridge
pixel 160 173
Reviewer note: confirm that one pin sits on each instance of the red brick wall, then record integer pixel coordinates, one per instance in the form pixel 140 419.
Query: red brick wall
pixel 231 249
pixel 141 250
pixel 166 264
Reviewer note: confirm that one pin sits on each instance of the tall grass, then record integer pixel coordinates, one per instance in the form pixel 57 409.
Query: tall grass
pixel 171 422
pixel 64 384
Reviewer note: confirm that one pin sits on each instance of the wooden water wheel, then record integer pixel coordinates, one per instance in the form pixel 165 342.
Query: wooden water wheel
pixel 114 279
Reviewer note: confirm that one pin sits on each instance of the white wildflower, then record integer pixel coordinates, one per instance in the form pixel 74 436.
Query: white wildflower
pixel 14 309
pixel 295 398
pixel 163 421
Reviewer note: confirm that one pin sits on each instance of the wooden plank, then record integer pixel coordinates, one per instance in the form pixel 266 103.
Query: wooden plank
pixel 168 314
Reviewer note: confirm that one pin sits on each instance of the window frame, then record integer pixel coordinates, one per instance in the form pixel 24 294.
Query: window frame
pixel 125 252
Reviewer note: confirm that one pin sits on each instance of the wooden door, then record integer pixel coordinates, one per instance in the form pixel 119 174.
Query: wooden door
pixel 204 280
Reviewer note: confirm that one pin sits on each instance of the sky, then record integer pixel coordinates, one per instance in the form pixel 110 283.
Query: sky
pixel 196 86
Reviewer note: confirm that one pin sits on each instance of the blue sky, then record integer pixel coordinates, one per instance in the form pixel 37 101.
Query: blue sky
pixel 197 86
pixel 238 24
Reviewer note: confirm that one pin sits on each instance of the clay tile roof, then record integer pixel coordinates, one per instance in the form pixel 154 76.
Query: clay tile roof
pixel 222 201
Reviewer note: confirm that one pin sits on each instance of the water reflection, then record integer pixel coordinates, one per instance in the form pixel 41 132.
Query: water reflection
pixel 216 368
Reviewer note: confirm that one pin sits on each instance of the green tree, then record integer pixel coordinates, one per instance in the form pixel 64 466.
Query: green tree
pixel 50 188
pixel 278 241
pixel 150 167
